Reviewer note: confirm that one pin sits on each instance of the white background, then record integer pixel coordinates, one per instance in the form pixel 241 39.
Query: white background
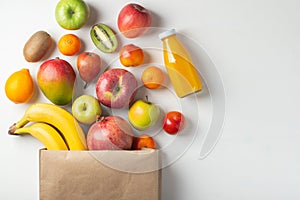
pixel 255 45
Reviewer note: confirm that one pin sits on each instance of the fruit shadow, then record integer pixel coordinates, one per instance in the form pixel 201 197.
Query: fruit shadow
pixel 36 94
pixel 94 15
pixel 147 58
pixel 170 181
pixel 82 48
pixel 156 19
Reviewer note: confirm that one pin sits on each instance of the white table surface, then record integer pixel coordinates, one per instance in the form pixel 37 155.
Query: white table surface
pixel 255 45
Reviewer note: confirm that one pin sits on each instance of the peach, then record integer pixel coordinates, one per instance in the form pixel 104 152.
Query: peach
pixel 153 77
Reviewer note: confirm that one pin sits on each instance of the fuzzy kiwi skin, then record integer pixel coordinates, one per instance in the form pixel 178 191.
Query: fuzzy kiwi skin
pixel 37 46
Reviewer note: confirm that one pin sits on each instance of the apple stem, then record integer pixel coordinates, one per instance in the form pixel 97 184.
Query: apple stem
pixel 85 85
pixel 99 118
pixel 147 100
pixel 71 12
pixel 84 106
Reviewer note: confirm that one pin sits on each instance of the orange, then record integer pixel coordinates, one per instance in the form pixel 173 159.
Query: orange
pixel 19 86
pixel 153 77
pixel 143 141
pixel 69 44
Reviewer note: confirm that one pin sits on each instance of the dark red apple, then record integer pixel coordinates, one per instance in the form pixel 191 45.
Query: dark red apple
pixel 110 133
pixel 89 66
pixel 116 88
pixel 134 20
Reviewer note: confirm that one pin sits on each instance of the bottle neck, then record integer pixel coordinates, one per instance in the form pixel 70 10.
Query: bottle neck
pixel 169 37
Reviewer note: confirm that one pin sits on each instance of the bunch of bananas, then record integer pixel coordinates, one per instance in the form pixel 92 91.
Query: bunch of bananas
pixel 53 126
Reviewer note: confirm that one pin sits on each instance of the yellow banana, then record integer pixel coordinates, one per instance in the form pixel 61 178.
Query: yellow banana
pixel 58 117
pixel 46 134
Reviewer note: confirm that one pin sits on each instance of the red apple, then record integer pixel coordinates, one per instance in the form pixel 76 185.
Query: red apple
pixel 134 20
pixel 173 122
pixel 116 88
pixel 89 66
pixel 110 133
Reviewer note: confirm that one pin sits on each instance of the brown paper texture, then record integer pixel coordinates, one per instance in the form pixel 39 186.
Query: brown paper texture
pixel 101 175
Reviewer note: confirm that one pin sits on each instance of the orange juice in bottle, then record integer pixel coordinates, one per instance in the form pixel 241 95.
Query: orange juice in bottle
pixel 179 65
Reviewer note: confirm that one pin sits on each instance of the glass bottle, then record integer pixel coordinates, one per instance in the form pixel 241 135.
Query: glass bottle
pixel 179 65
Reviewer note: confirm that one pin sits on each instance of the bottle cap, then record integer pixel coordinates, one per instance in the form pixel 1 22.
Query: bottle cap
pixel 167 33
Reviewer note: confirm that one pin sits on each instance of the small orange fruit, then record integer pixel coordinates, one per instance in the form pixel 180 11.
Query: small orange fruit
pixel 153 77
pixel 19 86
pixel 144 141
pixel 69 44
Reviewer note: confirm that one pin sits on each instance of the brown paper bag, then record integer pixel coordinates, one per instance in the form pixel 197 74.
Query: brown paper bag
pixel 101 175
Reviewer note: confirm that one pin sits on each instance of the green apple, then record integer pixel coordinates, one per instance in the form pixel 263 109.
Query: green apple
pixel 86 108
pixel 143 114
pixel 71 14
